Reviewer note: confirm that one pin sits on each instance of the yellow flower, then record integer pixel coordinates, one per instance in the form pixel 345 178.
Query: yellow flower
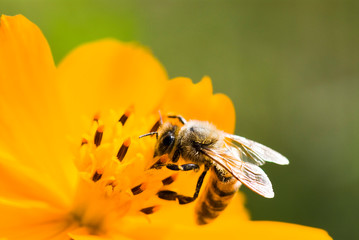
pixel 71 163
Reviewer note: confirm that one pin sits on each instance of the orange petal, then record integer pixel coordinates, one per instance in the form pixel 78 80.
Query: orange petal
pixel 30 119
pixel 31 127
pixel 249 230
pixel 87 237
pixel 185 214
pixel 19 181
pixel 93 237
pixel 180 219
pixel 233 224
pixel 27 74
pixel 196 101
pixel 235 230
pixel 279 230
pixel 31 220
pixel 83 234
pixel 109 75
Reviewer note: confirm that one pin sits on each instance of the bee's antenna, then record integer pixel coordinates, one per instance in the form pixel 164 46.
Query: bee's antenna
pixel 180 118
pixel 154 129
pixel 161 119
pixel 149 134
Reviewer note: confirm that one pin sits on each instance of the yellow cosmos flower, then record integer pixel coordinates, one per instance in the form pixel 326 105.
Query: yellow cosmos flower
pixel 71 163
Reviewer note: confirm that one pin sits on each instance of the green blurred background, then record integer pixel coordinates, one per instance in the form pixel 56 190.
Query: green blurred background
pixel 291 68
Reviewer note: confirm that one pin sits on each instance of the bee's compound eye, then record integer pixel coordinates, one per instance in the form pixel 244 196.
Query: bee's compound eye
pixel 168 140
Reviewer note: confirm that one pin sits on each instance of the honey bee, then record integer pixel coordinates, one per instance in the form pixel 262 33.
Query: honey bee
pixel 232 160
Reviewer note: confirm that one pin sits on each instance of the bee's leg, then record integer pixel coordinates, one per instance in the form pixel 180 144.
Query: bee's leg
pixel 180 118
pixel 176 156
pixel 184 167
pixel 174 167
pixel 185 199
pixel 171 195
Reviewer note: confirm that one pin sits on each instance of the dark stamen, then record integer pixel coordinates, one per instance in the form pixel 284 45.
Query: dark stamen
pixel 169 180
pixel 84 141
pixel 96 117
pixel 150 210
pixel 123 150
pixel 167 195
pixel 156 126
pixel 98 136
pixel 184 199
pixel 123 119
pixel 125 116
pixel 160 163
pixel 138 189
pixel 97 175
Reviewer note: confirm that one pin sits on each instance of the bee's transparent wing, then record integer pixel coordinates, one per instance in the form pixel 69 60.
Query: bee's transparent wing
pixel 253 152
pixel 247 173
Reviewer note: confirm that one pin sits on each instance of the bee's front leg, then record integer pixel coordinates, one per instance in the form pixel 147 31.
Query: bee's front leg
pixel 174 167
pixel 185 199
pixel 184 167
pixel 171 195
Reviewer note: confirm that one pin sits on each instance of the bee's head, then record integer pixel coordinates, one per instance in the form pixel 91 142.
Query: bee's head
pixel 166 134
pixel 166 139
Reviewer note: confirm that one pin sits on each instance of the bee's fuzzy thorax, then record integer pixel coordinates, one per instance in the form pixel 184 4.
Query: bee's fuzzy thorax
pixel 195 135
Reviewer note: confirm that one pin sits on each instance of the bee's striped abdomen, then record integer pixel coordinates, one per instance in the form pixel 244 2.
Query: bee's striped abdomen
pixel 216 196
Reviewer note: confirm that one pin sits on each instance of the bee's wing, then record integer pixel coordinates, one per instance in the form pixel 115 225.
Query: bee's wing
pixel 247 173
pixel 253 152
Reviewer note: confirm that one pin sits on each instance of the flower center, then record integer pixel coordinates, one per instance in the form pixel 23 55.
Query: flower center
pixel 113 164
